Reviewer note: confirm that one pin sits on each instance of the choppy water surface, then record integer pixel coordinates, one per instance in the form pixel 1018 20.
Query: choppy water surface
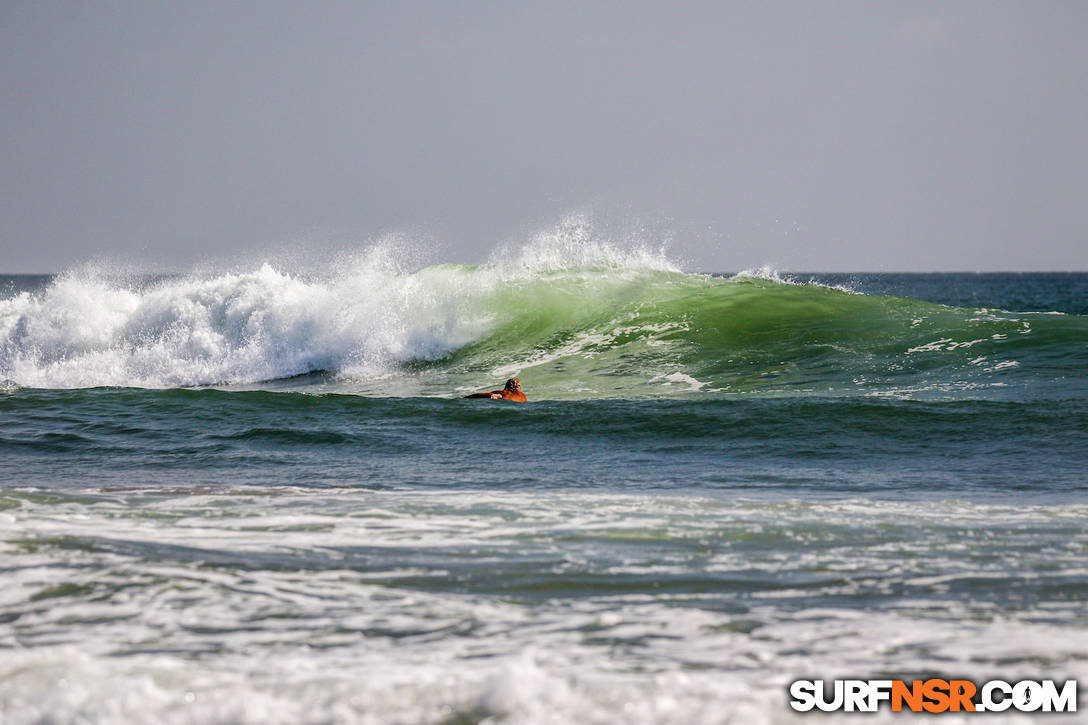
pixel 255 497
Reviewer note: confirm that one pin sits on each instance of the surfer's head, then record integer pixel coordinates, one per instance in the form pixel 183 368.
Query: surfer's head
pixel 513 385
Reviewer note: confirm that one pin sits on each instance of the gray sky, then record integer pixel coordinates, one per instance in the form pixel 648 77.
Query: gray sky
pixel 810 135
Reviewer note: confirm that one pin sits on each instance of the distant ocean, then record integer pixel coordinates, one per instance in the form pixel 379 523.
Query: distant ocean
pixel 255 496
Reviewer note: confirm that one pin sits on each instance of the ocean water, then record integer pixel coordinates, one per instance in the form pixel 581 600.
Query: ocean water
pixel 255 495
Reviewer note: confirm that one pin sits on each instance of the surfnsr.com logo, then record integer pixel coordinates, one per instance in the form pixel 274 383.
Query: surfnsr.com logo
pixel 933 695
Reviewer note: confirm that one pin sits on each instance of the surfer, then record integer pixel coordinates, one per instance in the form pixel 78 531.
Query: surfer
pixel 512 391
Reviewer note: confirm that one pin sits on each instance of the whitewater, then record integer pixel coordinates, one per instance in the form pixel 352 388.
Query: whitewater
pixel 254 494
pixel 362 319
pixel 581 318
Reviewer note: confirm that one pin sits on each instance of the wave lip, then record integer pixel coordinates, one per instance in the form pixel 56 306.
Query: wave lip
pixel 575 246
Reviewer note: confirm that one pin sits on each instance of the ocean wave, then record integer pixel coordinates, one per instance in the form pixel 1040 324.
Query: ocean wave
pixel 575 315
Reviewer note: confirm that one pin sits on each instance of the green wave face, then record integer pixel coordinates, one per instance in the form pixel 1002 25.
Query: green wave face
pixel 577 326
pixel 595 334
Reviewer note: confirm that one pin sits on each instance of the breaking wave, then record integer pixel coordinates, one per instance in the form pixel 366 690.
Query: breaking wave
pixel 572 315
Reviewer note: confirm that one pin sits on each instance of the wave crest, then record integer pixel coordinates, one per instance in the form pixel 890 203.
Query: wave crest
pixel 576 245
pixel 362 320
pixel 232 328
pixel 572 314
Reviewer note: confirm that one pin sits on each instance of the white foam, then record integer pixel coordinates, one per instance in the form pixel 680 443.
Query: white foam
pixel 85 331
pixel 766 272
pixel 680 379
pixel 166 639
pixel 362 319
pixel 769 273
pixel 575 244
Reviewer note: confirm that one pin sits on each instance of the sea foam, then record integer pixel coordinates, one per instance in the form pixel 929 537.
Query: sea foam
pixel 361 319
pixel 239 327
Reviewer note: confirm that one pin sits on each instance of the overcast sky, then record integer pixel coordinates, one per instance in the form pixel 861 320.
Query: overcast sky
pixel 849 136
